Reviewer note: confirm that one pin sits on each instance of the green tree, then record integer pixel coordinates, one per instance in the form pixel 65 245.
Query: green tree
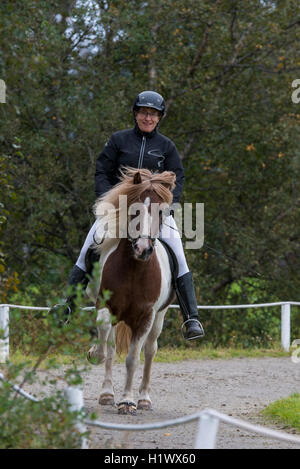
pixel 225 68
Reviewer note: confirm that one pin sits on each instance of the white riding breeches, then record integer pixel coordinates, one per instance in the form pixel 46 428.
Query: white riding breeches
pixel 168 233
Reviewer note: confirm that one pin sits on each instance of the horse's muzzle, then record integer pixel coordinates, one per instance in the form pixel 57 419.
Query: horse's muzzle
pixel 142 254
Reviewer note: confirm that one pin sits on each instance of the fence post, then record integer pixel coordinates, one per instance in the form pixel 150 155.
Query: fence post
pixel 74 396
pixel 207 431
pixel 4 326
pixel 286 326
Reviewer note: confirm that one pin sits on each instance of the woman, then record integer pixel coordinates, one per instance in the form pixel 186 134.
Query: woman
pixel 144 147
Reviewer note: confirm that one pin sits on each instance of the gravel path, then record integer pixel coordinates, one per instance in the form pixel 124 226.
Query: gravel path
pixel 240 387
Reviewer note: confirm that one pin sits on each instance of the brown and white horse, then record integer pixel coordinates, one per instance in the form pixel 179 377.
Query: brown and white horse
pixel 135 269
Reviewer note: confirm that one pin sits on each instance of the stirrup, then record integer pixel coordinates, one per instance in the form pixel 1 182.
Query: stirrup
pixel 196 336
pixel 67 315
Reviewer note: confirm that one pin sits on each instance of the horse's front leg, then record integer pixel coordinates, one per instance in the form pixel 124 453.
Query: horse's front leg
pixel 104 351
pixel 150 350
pixel 97 353
pixel 127 404
pixel 107 391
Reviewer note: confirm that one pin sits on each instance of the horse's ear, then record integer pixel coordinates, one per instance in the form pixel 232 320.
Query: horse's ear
pixel 137 179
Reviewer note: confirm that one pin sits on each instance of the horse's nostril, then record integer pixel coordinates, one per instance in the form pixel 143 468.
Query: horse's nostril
pixel 137 250
pixel 147 253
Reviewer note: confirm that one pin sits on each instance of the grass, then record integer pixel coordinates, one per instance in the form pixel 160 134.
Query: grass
pixel 17 358
pixel 170 354
pixel 164 355
pixel 285 411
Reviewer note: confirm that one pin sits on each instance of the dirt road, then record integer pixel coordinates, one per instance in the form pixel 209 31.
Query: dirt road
pixel 240 387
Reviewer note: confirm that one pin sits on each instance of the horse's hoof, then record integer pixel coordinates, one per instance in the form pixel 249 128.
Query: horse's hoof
pixel 127 408
pixel 106 399
pixel 144 404
pixel 93 356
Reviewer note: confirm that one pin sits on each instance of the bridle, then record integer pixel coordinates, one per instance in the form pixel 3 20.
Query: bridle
pixel 149 237
pixel 134 240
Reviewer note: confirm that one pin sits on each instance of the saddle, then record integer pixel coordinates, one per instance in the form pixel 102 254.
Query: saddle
pixel 172 262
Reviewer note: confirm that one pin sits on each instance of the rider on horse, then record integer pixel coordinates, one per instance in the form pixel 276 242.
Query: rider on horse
pixel 144 147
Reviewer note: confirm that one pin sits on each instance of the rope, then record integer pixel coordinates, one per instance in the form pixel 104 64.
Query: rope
pixel 19 390
pixel 181 420
pixel 257 305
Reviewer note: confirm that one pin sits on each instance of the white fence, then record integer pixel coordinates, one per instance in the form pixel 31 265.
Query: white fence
pixel 207 429
pixel 208 419
pixel 285 320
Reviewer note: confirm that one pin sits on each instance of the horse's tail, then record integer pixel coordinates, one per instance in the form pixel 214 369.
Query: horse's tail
pixel 123 337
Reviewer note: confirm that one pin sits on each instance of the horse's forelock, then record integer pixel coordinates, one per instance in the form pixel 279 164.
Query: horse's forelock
pixel 159 183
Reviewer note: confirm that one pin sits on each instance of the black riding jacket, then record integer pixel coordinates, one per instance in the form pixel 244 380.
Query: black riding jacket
pixel 137 149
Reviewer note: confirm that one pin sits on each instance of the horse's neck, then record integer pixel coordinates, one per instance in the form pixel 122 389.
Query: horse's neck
pixel 126 256
pixel 108 246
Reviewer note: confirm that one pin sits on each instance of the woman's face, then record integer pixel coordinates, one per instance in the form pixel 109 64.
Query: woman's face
pixel 147 118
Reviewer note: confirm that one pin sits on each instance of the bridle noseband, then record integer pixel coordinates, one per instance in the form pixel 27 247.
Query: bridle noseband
pixel 134 240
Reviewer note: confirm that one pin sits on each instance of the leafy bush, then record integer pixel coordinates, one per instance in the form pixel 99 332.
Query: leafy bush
pixel 35 425
pixel 49 422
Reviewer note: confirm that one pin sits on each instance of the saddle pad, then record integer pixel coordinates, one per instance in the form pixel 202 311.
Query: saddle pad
pixel 172 261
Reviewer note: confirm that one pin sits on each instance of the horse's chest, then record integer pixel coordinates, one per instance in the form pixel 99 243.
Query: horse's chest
pixel 133 284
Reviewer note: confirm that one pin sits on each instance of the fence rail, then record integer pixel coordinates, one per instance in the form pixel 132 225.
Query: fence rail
pixel 207 429
pixel 285 320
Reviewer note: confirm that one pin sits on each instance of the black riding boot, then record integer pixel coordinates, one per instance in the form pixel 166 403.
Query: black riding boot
pixel 77 276
pixel 188 304
pixel 64 311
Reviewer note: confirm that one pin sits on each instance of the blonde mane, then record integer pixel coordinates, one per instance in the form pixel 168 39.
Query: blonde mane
pixel 160 183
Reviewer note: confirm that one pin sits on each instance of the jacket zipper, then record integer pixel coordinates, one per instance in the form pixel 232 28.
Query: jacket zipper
pixel 142 151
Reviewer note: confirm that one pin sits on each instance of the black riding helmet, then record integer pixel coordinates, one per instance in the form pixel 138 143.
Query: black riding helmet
pixel 150 99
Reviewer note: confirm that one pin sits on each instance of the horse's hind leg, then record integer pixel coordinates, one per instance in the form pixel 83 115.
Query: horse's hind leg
pixel 150 349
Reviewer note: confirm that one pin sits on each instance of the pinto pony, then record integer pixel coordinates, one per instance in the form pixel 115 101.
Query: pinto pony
pixel 135 269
